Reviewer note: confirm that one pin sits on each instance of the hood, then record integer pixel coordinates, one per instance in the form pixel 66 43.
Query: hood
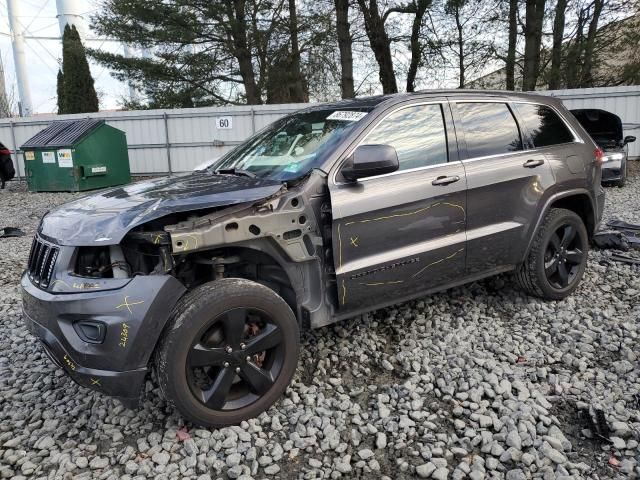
pixel 604 127
pixel 104 218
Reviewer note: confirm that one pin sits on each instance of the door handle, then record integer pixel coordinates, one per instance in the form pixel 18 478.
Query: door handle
pixel 445 180
pixel 532 163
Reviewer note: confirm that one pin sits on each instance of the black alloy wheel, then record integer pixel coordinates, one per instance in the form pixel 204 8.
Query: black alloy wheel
pixel 557 257
pixel 235 359
pixel 564 256
pixel 229 351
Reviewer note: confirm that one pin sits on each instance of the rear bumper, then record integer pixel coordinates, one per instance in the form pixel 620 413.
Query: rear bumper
pixel 612 171
pixel 133 317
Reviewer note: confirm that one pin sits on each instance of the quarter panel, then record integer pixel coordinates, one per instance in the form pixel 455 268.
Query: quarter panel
pixel 503 201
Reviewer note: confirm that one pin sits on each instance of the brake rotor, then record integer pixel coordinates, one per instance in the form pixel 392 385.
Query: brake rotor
pixel 258 358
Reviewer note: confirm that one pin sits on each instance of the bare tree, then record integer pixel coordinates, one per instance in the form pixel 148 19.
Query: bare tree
pixel 587 76
pixel 510 63
pixel 345 46
pixel 465 36
pixel 237 31
pixel 592 43
pixel 555 74
pixel 298 93
pixel 534 19
pixel 374 24
pixel 416 44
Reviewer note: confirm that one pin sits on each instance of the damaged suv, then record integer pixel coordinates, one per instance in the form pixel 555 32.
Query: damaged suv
pixel 208 278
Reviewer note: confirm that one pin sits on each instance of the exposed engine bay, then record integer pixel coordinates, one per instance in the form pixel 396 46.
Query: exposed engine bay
pixel 278 242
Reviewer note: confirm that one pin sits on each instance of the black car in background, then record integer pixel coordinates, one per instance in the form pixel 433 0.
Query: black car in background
pixel 606 130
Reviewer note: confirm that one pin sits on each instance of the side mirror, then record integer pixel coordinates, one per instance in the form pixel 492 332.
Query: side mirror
pixel 371 160
pixel 629 139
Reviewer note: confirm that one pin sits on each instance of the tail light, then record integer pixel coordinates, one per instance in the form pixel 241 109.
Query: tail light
pixel 599 156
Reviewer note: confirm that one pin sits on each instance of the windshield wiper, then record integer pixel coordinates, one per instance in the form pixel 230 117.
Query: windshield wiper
pixel 236 171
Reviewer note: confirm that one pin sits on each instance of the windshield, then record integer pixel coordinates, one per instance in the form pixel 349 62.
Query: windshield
pixel 292 146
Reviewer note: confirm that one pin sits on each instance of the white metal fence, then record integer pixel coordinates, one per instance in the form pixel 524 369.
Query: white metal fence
pixel 623 101
pixel 165 141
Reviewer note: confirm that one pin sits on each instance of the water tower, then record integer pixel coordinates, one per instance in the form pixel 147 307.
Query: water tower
pixel 70 12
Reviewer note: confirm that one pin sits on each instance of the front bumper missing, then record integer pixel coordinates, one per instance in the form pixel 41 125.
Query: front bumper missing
pixel 134 315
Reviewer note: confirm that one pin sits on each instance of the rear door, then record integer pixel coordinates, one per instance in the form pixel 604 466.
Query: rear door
pixel 505 181
pixel 398 234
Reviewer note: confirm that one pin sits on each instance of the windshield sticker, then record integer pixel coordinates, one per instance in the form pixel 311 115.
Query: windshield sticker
pixel 292 168
pixel 346 115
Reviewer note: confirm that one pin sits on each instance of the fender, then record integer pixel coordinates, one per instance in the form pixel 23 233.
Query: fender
pixel 548 205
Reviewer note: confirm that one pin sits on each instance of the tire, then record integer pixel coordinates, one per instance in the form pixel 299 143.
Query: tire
pixel 212 344
pixel 552 244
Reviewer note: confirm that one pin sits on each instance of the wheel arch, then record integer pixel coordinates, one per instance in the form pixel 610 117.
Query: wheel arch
pixel 299 283
pixel 579 201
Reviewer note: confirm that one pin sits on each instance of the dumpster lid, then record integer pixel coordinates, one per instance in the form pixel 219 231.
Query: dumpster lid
pixel 62 133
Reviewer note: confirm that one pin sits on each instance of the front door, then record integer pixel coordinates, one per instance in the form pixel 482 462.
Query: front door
pixel 398 234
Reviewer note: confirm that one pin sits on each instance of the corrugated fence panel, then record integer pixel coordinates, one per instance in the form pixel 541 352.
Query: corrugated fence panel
pixel 179 139
pixel 148 160
pixel 187 158
pixel 163 140
pixel 623 101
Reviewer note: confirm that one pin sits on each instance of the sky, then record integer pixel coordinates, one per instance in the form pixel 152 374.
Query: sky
pixel 43 55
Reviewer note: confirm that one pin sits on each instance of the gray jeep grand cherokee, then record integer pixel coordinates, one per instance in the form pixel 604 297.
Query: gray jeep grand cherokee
pixel 339 209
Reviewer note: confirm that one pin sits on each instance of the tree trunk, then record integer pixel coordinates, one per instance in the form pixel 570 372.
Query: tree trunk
pixel 380 44
pixel 460 41
pixel 587 76
pixel 556 50
pixel 574 54
pixel 298 93
pixel 511 49
pixel 534 17
pixel 415 44
pixel 241 51
pixel 344 44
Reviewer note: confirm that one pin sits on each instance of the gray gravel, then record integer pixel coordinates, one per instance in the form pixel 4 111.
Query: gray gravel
pixel 477 382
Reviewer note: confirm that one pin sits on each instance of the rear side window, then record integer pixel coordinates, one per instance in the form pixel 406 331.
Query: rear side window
pixel 544 125
pixel 489 129
pixel 417 133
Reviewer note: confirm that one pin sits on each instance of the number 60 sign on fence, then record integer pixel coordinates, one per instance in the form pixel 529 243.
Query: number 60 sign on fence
pixel 224 123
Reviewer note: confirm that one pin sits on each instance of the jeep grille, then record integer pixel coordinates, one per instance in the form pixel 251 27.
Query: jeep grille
pixel 42 259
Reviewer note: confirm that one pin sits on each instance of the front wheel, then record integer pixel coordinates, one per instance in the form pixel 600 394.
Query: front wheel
pixel 230 351
pixel 558 256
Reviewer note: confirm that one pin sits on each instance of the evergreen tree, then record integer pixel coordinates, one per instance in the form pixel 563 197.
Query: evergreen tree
pixel 203 52
pixel 78 92
pixel 60 92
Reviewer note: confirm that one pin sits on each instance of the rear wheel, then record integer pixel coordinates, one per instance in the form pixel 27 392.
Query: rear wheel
pixel 229 353
pixel 558 256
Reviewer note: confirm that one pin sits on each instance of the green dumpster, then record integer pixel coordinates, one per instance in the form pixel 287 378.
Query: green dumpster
pixel 76 155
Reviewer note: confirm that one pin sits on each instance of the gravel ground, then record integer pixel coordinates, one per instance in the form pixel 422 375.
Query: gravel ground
pixel 479 382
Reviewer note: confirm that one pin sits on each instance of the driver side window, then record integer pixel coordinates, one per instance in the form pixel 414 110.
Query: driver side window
pixel 417 133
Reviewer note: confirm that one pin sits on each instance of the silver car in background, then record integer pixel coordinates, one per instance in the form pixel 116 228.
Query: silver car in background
pixel 606 130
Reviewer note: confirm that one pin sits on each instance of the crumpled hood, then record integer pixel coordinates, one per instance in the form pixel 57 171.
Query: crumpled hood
pixel 104 218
